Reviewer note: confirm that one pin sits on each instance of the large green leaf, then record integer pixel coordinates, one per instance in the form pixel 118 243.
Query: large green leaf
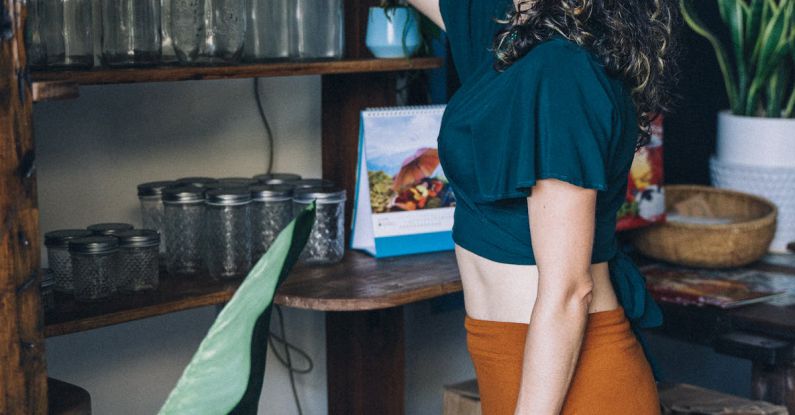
pixel 225 375
pixel 773 49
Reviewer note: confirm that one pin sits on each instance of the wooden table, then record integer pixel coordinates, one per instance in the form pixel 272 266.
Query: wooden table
pixel 763 333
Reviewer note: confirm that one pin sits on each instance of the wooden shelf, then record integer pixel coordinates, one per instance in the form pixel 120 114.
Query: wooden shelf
pixel 358 283
pixel 184 73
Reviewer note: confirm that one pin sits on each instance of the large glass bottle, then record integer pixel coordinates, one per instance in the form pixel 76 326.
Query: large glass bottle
pixel 268 30
pixel 187 28
pixel 318 29
pixel 59 33
pixel 131 32
pixel 225 31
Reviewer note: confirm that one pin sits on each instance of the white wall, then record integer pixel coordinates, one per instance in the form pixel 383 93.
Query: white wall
pixel 93 151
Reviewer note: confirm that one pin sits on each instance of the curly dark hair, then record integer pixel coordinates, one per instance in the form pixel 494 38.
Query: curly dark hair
pixel 634 39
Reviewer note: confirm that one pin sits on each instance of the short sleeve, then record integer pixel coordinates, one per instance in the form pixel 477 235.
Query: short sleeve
pixel 557 122
pixel 470 26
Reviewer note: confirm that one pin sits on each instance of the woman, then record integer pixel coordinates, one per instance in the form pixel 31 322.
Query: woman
pixel 555 98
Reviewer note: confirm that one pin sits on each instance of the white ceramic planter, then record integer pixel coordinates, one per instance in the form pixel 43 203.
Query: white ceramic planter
pixel 755 141
pixel 776 184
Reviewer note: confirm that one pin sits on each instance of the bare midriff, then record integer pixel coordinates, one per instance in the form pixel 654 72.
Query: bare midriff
pixel 507 292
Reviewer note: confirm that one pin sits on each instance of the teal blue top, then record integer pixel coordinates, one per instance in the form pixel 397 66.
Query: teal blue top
pixel 554 113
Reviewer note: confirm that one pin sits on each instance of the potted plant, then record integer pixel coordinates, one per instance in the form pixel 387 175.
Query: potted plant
pixel 755 149
pixel 393 30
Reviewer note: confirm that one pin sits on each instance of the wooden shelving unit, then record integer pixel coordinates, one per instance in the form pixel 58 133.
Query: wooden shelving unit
pixel 370 289
pixel 275 69
pixel 358 283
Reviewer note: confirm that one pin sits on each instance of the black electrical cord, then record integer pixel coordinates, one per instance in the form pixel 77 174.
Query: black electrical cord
pixel 287 361
pixel 266 124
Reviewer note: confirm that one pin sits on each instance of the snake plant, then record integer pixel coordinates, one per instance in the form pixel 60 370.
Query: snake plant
pixel 758 65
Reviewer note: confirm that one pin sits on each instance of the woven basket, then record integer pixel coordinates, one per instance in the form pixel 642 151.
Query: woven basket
pixel 712 245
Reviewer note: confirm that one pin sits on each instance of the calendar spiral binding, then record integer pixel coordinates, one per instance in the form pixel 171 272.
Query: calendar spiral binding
pixel 398 111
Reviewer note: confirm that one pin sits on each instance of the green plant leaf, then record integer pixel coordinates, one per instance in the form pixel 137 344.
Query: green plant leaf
pixel 691 18
pixel 773 49
pixel 226 372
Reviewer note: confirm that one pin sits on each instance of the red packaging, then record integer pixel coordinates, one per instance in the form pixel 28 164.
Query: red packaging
pixel 645 202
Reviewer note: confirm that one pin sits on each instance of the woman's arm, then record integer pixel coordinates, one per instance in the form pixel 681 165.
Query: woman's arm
pixel 429 8
pixel 562 218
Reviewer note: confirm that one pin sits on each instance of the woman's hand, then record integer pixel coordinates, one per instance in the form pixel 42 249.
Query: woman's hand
pixel 562 218
pixel 429 8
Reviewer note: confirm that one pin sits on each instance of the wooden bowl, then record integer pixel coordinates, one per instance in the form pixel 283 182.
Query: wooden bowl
pixel 741 242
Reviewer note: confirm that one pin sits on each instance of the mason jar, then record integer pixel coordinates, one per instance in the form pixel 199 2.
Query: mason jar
pixel 184 221
pixel 35 27
pixel 318 29
pixel 228 235
pixel 268 29
pixel 109 228
pixel 131 32
pixel 65 28
pixel 237 182
pixel 138 260
pixel 225 31
pixel 277 178
pixel 57 243
pixel 307 183
pixel 186 28
pixel 271 211
pixel 95 267
pixel 326 244
pixel 197 181
pixel 152 211
pixel 46 289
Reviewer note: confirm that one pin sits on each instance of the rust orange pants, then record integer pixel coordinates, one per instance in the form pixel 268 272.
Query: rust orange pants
pixel 612 376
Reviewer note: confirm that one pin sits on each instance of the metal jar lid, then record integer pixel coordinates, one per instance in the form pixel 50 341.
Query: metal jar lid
pixel 61 237
pixel 228 197
pixel 110 228
pixel 271 192
pixel 154 188
pixel 237 182
pixel 183 194
pixel 277 178
pixel 303 183
pixel 321 194
pixel 138 238
pixel 94 245
pixel 196 181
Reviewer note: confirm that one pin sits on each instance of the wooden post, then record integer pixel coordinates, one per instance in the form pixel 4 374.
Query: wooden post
pixel 23 381
pixel 774 384
pixel 365 359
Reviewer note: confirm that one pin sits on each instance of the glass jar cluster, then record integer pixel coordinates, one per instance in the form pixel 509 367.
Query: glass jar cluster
pixel 95 263
pixel 221 227
pixel 70 33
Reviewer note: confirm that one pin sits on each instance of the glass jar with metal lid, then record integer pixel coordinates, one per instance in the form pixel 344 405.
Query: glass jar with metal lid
pixel 326 244
pixel 151 197
pixel 57 243
pixel 46 289
pixel 277 178
pixel 184 221
pixel 306 183
pixel 237 182
pixel 228 235
pixel 95 266
pixel 197 181
pixel 138 260
pixel 109 228
pixel 271 211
